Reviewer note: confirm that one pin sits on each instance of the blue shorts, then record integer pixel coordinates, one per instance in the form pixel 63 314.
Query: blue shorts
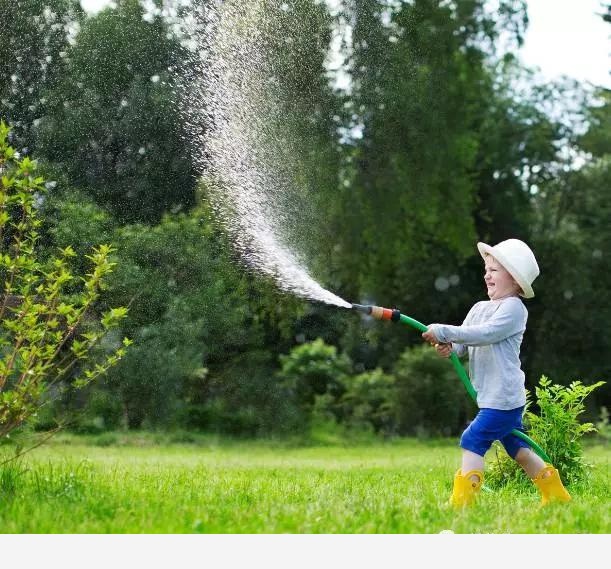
pixel 494 425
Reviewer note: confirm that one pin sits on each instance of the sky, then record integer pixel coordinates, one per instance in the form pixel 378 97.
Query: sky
pixel 568 37
pixel 564 37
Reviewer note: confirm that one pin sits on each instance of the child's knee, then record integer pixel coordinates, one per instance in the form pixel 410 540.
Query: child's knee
pixel 513 445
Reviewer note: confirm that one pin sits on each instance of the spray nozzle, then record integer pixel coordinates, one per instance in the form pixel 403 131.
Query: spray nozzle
pixel 379 312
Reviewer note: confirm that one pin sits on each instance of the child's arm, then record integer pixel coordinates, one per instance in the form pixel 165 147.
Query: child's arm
pixel 459 349
pixel 506 321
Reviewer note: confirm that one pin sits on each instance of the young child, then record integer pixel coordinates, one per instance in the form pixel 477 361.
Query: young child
pixel 492 332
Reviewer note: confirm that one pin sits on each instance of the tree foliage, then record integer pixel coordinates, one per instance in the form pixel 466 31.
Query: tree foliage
pixel 111 124
pixel 36 36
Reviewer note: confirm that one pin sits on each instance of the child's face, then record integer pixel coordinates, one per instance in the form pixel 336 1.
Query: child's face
pixel 498 281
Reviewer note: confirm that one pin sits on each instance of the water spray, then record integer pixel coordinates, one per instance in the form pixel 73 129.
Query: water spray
pixel 224 96
pixel 394 315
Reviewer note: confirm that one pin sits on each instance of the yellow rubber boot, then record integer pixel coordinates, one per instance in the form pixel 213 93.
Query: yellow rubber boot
pixel 465 490
pixel 549 484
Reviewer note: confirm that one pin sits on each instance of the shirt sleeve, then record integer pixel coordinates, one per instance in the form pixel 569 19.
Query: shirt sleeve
pixel 507 321
pixel 460 349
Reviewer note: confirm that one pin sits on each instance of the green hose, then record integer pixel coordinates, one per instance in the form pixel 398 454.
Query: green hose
pixel 462 374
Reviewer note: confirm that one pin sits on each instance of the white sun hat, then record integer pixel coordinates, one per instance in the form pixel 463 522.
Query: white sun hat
pixel 519 260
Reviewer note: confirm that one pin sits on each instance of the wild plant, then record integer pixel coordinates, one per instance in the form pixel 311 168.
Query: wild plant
pixel 47 327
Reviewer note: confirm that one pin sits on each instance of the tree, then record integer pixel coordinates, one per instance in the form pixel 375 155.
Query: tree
pixel 48 333
pixel 198 322
pixel 419 84
pixel 570 233
pixel 36 36
pixel 574 283
pixel 111 125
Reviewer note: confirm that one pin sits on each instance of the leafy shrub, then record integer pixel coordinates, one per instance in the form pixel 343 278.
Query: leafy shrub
pixel 242 397
pixel 556 429
pixel 47 330
pixel 431 400
pixel 370 400
pixel 105 440
pixel 314 369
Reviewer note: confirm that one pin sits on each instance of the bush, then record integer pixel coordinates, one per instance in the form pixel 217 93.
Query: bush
pixel 311 370
pixel 556 429
pixel 370 400
pixel 101 412
pixel 431 399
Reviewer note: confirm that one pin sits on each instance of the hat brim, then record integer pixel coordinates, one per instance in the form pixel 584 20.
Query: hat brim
pixel 527 290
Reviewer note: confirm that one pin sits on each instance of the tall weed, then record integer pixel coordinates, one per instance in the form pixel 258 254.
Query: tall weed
pixel 10 478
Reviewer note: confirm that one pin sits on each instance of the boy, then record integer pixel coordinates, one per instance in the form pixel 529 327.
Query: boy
pixel 492 332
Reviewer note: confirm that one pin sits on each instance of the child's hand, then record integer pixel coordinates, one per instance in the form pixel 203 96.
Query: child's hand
pixel 444 350
pixel 430 338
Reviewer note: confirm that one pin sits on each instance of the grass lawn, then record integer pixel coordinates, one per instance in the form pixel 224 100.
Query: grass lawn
pixel 139 485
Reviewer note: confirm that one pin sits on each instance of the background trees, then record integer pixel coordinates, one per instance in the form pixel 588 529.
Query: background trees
pixel 111 126
pixel 440 140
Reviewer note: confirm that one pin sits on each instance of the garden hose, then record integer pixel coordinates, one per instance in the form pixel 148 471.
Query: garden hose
pixel 395 315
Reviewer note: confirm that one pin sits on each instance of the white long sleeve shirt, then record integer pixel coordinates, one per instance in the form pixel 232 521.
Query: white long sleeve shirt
pixel 492 332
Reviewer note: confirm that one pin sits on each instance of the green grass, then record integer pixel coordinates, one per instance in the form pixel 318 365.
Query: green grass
pixel 139 485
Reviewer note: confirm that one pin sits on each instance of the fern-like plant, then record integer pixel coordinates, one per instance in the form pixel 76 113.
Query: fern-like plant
pixel 557 430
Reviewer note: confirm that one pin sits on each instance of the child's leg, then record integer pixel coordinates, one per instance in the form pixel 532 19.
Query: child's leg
pixel 472 461
pixel 530 461
pixel 468 480
pixel 545 477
